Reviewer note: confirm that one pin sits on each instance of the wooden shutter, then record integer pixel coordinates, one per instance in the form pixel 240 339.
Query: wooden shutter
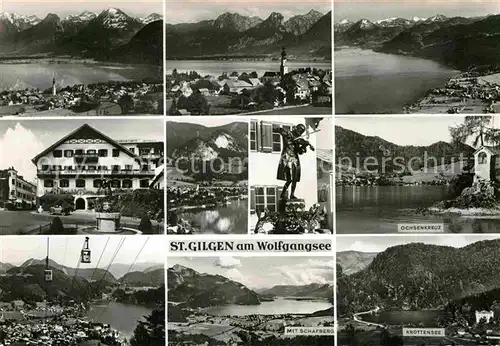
pixel 267 137
pixel 252 200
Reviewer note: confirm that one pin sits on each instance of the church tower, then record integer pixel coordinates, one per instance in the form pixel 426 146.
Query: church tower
pixel 284 67
pixel 54 91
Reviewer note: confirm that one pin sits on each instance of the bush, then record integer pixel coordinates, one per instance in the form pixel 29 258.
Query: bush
pixel 145 226
pixel 63 200
pixel 459 183
pixel 56 227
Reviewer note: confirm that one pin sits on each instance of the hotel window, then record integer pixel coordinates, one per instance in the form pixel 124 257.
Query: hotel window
pixel 264 136
pixel 128 167
pixel 116 168
pixel 79 152
pixel 253 135
pixel 13 193
pixel 97 183
pixel 116 153
pixel 127 184
pixel 57 153
pixel 68 168
pixel 144 151
pixel 262 197
pixel 68 153
pixel 64 183
pixel 103 152
pixel 144 183
pixel 132 150
pixel 56 167
pixel 48 183
pixel 80 183
pixel 116 184
pixel 145 168
pixel 91 152
pixel 103 168
pixel 92 168
pixel 14 181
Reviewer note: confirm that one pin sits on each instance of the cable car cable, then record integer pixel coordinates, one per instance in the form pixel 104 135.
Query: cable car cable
pixel 122 241
pixel 97 265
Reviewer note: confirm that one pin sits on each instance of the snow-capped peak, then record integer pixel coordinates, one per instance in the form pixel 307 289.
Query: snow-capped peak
pixel 114 18
pixel 20 21
pixel 226 141
pixel 365 24
pixel 386 20
pixel 153 17
pixel 436 18
pixel 85 16
pixel 417 19
pixel 345 21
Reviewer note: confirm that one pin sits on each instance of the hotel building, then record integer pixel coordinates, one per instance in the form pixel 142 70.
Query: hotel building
pixel 79 163
pixel 16 190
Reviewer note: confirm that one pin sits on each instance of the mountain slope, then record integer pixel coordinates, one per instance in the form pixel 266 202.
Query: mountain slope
pixel 420 276
pixel 145 47
pixel 154 278
pixel 355 146
pixel 311 291
pixel 301 23
pixel 197 290
pixel 354 261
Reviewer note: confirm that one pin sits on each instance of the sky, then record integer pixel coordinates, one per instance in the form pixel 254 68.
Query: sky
pixel 403 130
pixel 208 121
pixel 64 8
pixel 381 243
pixel 381 9
pixel 21 141
pixel 263 272
pixel 190 11
pixel 66 250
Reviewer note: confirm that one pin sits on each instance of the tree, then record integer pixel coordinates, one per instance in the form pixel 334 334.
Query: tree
pixel 173 107
pixel 198 104
pixel 152 331
pixel 477 128
pixel 146 226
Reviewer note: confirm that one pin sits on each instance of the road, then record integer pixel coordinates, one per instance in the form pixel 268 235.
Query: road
pixel 357 319
pixel 19 222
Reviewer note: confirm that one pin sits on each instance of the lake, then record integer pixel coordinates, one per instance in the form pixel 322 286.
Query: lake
pixel 217 67
pixel 425 318
pixel 379 209
pixel 232 219
pixel 40 74
pixel 367 82
pixel 122 317
pixel 277 307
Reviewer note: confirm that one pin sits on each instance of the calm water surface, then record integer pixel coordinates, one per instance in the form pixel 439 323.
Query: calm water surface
pixel 40 75
pixel 122 317
pixel 425 317
pixel 367 82
pixel 379 209
pixel 278 306
pixel 232 219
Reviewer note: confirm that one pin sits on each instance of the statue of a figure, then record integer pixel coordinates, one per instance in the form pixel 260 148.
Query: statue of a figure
pixel 106 186
pixel 289 169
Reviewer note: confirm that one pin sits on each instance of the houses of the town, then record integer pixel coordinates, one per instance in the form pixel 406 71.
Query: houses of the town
pixel 14 189
pixel 265 152
pixel 484 316
pixel 487 164
pixel 81 162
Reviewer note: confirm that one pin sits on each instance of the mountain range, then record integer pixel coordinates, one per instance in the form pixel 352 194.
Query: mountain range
pixel 354 261
pixel 305 35
pixel 458 42
pixel 356 146
pixel 100 36
pixel 196 290
pixel 419 276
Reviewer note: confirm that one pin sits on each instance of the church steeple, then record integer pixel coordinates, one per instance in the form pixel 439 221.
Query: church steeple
pixel 54 91
pixel 283 67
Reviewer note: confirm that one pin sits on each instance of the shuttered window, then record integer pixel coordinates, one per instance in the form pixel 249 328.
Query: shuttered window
pixel 264 197
pixel 267 137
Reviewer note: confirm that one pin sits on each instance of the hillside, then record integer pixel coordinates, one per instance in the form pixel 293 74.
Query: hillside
pixel 310 291
pixel 239 35
pixel 357 147
pixel 109 35
pixel 198 290
pixel 154 278
pixel 419 276
pixel 354 261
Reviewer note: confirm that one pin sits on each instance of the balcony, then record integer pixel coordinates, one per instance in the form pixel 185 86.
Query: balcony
pixel 97 172
pixel 86 157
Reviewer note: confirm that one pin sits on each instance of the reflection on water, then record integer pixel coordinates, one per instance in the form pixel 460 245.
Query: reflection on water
pixel 379 209
pixel 121 317
pixel 276 307
pixel 223 220
pixel 369 82
pixel 40 75
pixel 216 67
pixel 424 318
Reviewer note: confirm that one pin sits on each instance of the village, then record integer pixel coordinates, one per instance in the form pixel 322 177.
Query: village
pixel 112 98
pixel 472 92
pixel 189 93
